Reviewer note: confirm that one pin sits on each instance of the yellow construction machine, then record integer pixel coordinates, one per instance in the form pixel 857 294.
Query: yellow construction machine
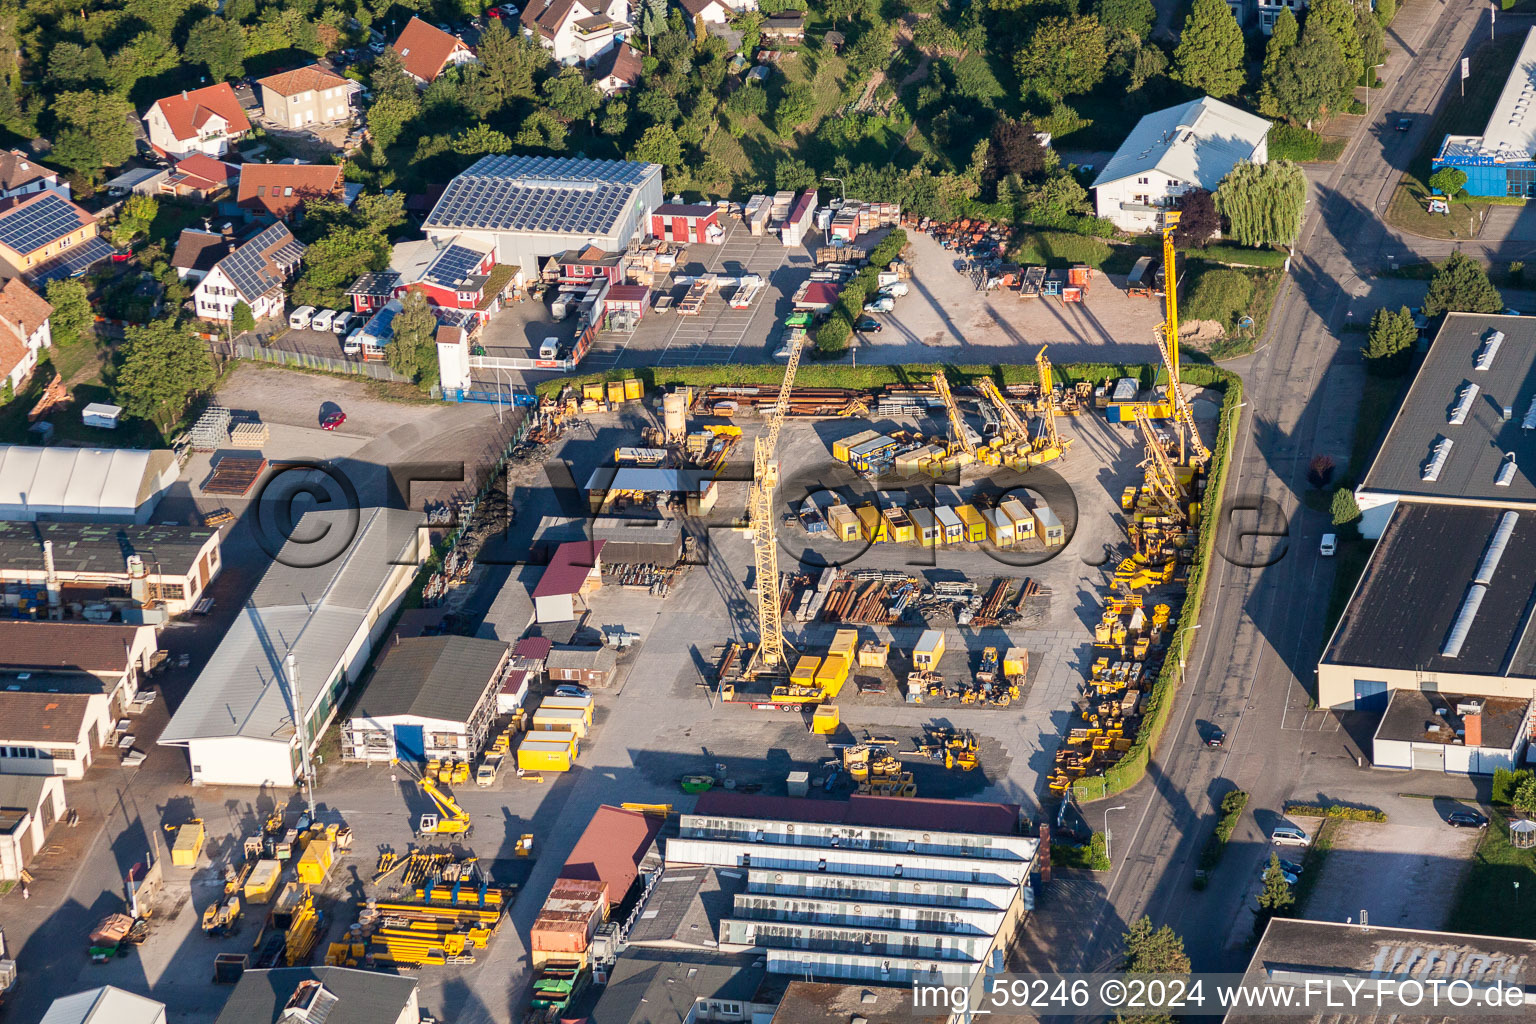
pixel 1048 445
pixel 449 820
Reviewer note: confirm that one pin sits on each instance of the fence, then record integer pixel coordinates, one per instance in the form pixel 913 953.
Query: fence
pixel 331 364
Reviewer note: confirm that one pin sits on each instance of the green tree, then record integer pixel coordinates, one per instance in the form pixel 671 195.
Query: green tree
pixel 1064 56
pixel 241 319
pixel 1448 181
pixel 832 337
pixel 163 366
pixel 1307 81
pixel 389 79
pixel 653 20
pixel 749 100
pixel 219 45
pixel 133 219
pixel 480 140
pixel 541 130
pixel 72 66
pixel 1209 56
pixel 72 312
pixel 1386 10
pixel 843 10
pixel 1461 285
pixel 793 174
pixel 510 62
pixel 1282 40
pixel 1133 16
pixel 415 328
pixel 1276 898
pixel 144 56
pixel 659 145
pixel 388 116
pixel 95 130
pixel 378 211
pixel 1263 203
pixel 571 96
pixel 1391 336
pixel 796 106
pixel 1337 18
pixel 1525 797
pixel 1151 950
pixel 333 262
pixel 1344 508
pixel 1507 782
pixel 615 120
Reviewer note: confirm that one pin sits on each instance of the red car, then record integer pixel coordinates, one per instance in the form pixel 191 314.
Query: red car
pixel 333 421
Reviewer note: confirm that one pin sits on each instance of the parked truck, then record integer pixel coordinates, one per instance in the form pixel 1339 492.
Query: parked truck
pixel 485 775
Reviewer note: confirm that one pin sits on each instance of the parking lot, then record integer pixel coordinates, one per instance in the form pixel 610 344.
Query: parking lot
pixel 1398 874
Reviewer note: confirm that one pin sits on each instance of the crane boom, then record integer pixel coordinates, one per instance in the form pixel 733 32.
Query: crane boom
pixel 956 421
pixel 765 548
pixel 1014 427
pixel 1160 471
pixel 1168 345
pixel 1049 438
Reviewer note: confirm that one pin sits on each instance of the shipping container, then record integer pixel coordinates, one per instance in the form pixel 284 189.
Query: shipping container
pixel 825 720
pixel 316 862
pixel 568 919
pixel 1048 527
pixel 1019 514
pixel 634 389
pixel 929 650
pixel 582 704
pixel 872 525
pixel 999 527
pixel 952 530
pixel 804 672
pixel 1016 662
pixel 832 674
pixel 262 881
pixel 975 526
pixel 840 449
pixel 898 526
pixel 565 737
pixel 573 720
pixel 926 527
pixel 842 522
pixel 533 756
pixel 877 449
pixel 845 643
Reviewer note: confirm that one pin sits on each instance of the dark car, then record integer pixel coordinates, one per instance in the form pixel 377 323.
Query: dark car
pixel 868 325
pixel 333 421
pixel 1466 819
pixel 1404 123
pixel 1290 866
pixel 1216 739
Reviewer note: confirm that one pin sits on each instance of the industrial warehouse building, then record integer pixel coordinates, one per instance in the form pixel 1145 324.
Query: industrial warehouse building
pixel 1499 162
pixel 76 657
pixel 321 995
pixel 51 733
pixel 83 484
pixel 48 568
pixel 326 614
pixel 1441 732
pixel 429 697
pixel 1466 431
pixel 29 805
pixel 879 889
pixel 533 207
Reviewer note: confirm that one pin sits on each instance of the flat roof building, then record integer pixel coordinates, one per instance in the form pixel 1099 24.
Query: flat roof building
pixel 1499 161
pixel 83 484
pixel 1466 431
pixel 1443 732
pixel 326 613
pixel 70 565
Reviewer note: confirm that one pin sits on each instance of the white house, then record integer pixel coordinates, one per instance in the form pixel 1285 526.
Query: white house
pixel 51 733
pixel 24 331
pixel 105 1005
pixel 1264 12
pixel 203 120
pixel 577 31
pixel 29 805
pixel 20 175
pixel 1172 151
pixel 257 273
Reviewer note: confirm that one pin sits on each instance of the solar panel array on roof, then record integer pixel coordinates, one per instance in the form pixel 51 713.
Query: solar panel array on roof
pixel 250 268
pixel 29 227
pixel 550 194
pixel 375 283
pixel 76 260
pixel 452 265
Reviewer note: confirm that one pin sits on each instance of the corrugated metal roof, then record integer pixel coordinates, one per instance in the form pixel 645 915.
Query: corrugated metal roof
pixel 105 1005
pixel 569 569
pixel 611 848
pixel 962 816
pixel 313 611
pixel 441 677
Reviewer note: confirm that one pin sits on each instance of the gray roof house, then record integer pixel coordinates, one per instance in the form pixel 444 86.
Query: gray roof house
pixel 310 995
pixel 430 696
pixel 326 609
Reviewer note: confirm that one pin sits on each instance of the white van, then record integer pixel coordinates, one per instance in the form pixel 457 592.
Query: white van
pixel 343 323
pixel 353 344
pixel 322 320
pixel 1289 835
pixel 1330 545
pixel 550 348
pixel 300 318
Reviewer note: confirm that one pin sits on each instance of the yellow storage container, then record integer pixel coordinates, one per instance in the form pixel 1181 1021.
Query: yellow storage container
pixel 563 736
pixel 804 673
pixel 1015 662
pixel 262 881
pixel 845 643
pixel 975 526
pixel 872 525
pixel 999 527
pixel 929 650
pixel 316 862
pixel 615 391
pixel 1018 513
pixel 592 392
pixel 951 529
pixel 543 757
pixel 843 523
pixel 582 704
pixel 1048 527
pixel 825 720
pixel 189 843
pixel 898 526
pixel 925 527
pixel 874 655
pixel 573 720
pixel 833 672
pixel 840 449
pixel 633 389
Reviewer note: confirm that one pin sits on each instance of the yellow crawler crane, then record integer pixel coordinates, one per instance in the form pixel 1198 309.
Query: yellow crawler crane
pixel 1048 445
pixel 961 443
pixel 765 478
pixel 1192 451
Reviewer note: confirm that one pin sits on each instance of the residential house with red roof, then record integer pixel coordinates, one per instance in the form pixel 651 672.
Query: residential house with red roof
pixel 24 331
pixel 206 120
pixel 199 176
pixel 427 51
pixel 454 273
pixel 617 70
pixel 578 31
pixel 20 175
pixel 279 190
pixel 305 96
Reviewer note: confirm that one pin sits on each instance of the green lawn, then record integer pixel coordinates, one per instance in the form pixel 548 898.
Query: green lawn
pixel 1486 903
pixel 1266 283
pixel 1463 115
pixel 1379 400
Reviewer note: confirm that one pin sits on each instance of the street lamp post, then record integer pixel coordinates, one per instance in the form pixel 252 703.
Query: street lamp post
pixel 1186 629
pixel 1108 835
pixel 842 188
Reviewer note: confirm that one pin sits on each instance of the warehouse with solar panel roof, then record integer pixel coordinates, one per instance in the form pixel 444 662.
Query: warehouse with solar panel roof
pixel 533 207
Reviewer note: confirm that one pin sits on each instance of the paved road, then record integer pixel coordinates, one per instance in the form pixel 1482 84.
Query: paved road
pixel 1260 637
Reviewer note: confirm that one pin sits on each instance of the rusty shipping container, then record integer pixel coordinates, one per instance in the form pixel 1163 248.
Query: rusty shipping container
pixel 569 917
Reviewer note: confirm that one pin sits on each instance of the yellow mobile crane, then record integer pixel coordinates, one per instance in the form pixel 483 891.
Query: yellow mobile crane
pixel 765 478
pixel 1048 444
pixel 1168 348
pixel 449 819
pixel 962 441
pixel 1162 477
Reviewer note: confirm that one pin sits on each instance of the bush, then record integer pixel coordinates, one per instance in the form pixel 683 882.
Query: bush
pixel 1093 857
pixel 1337 811
pixel 1231 812
pixel 1059 248
pixel 832 336
pixel 1220 295
pixel 1448 181
pixel 1344 509
pixel 889 248
pixel 1506 782
pixel 1292 142
pixel 1237 256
